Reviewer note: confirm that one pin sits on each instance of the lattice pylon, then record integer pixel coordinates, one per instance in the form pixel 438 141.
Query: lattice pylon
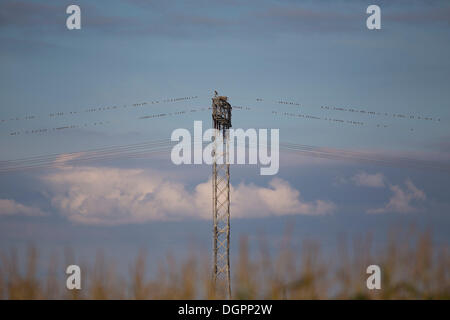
pixel 221 209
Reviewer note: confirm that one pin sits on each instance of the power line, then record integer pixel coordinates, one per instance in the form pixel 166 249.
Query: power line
pixel 164 145
pixel 105 153
pixel 58 129
pixel 59 114
pixel 363 111
pixel 364 157
pixel 328 118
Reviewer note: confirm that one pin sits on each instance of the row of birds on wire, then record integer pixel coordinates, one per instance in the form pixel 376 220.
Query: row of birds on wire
pixel 57 129
pixel 327 117
pixel 360 111
pixel 154 102
pixel 84 125
pixel 164 145
pixel 58 114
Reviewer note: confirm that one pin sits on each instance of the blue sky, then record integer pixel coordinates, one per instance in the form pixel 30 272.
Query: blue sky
pixel 314 53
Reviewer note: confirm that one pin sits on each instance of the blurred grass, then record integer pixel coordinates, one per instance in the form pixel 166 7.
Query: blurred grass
pixel 412 268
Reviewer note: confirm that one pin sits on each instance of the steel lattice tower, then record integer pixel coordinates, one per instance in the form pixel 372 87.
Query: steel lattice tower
pixel 221 116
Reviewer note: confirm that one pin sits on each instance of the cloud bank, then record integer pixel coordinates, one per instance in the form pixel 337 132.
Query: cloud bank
pixel 111 196
pixel 403 199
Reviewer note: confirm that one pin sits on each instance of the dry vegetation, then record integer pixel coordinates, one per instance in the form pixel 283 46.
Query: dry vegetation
pixel 412 268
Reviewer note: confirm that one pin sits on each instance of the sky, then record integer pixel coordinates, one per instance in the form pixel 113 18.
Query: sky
pixel 315 55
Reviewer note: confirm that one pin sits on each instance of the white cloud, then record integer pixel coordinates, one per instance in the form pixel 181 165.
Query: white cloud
pixel 402 199
pixel 369 180
pixel 277 199
pixel 10 207
pixel 101 195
